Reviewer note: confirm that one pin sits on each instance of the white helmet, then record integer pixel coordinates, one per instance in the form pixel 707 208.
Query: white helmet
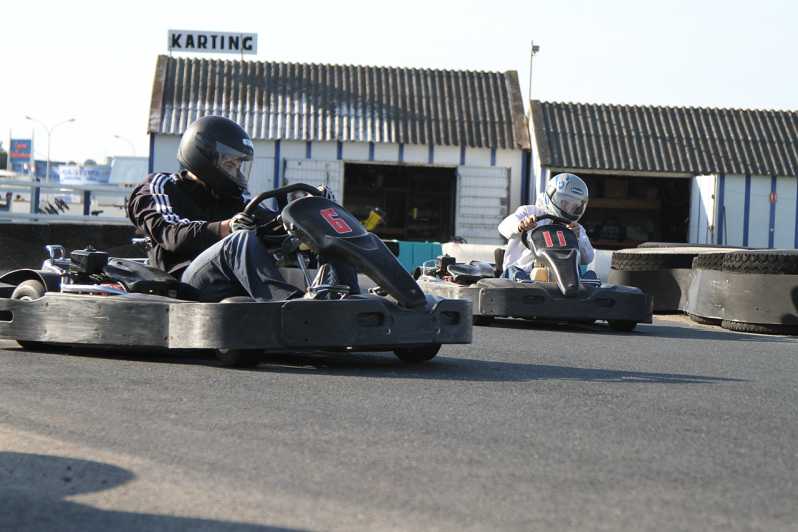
pixel 566 197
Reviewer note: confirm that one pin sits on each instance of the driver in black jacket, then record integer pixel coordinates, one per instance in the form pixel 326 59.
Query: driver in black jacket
pixel 196 223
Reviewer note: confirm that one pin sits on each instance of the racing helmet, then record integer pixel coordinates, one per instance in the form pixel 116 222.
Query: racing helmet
pixel 566 197
pixel 218 152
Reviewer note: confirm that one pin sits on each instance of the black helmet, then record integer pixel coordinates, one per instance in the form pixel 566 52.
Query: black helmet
pixel 219 152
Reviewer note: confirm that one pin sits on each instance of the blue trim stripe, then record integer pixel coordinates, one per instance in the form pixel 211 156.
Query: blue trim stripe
pixel 309 149
pixel 401 153
pixel 462 155
pixel 276 164
pixel 431 154
pixel 746 209
pixel 772 222
pixel 339 150
pixel 721 209
pixel 371 151
pixel 151 162
pixel 493 156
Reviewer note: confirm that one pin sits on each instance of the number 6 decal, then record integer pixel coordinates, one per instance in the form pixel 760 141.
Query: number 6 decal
pixel 339 225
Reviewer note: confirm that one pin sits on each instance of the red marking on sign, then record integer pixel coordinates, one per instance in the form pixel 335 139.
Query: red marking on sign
pixel 561 238
pixel 547 238
pixel 339 225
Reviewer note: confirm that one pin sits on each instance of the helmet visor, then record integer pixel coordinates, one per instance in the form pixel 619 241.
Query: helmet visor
pixel 234 164
pixel 571 208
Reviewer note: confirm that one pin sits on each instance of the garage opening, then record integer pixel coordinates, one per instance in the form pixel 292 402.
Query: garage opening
pixel 626 211
pixel 402 202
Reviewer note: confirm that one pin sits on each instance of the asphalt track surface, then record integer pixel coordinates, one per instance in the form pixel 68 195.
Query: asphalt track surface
pixel 674 427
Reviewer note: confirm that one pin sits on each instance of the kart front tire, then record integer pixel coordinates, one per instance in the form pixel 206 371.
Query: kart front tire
pixel 239 358
pixel 622 325
pixel 30 290
pixel 416 355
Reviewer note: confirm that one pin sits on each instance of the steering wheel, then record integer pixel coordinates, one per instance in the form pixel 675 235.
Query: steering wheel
pixel 554 219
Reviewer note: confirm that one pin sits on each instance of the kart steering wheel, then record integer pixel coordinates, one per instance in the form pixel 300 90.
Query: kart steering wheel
pixel 554 219
pixel 280 193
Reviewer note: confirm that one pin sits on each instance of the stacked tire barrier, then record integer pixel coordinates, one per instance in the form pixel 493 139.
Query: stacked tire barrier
pixel 739 289
pixel 662 272
pixel 748 291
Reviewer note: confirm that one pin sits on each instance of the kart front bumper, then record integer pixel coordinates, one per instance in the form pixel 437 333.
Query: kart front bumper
pixel 361 324
pixel 506 298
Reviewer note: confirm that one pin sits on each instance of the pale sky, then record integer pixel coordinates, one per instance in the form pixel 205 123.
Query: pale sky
pixel 95 61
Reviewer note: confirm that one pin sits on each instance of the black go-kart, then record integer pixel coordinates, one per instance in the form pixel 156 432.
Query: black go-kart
pixel 555 291
pixel 91 299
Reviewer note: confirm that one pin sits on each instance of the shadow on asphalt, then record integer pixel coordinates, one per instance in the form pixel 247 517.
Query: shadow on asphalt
pixel 33 488
pixel 386 365
pixel 460 369
pixel 655 330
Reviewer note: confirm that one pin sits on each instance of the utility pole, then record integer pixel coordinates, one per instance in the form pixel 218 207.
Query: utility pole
pixel 534 50
pixel 49 136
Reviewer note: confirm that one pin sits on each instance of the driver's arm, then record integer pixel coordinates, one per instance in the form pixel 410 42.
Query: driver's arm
pixel 510 225
pixel 586 251
pixel 165 226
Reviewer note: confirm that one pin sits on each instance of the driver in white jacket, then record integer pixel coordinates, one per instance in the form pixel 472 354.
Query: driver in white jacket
pixel 566 196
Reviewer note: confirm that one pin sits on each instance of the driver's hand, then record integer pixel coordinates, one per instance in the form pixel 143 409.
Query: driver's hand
pixel 526 224
pixel 242 222
pixel 575 227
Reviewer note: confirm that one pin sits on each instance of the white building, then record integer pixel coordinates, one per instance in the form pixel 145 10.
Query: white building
pixel 718 176
pixel 442 153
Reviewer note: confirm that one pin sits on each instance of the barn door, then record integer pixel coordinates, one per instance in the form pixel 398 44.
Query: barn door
pixel 483 197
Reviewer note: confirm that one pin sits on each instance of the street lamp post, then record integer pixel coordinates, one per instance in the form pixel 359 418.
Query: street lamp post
pixel 49 136
pixel 130 143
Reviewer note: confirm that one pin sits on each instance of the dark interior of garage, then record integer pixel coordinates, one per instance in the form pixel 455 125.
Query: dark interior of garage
pixel 624 211
pixel 400 202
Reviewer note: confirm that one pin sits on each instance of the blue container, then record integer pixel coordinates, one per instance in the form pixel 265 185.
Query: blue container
pixel 414 254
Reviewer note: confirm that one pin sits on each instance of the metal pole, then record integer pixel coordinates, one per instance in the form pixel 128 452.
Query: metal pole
pixel 47 171
pixel 534 50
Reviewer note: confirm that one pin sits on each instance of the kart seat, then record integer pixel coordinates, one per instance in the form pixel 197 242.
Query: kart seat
pixel 466 274
pixel 143 279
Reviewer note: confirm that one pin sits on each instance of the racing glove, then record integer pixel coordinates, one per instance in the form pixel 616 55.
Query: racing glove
pixel 242 222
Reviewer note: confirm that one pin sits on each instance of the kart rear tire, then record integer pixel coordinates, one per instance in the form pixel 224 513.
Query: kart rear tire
pixel 239 358
pixel 622 325
pixel 30 290
pixel 416 355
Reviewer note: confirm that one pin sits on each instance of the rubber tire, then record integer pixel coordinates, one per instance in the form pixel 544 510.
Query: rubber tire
pixel 703 320
pixel 482 319
pixel 239 358
pixel 417 355
pixel 30 290
pixel 651 261
pixel 622 325
pixel 764 261
pixel 759 328
pixel 709 261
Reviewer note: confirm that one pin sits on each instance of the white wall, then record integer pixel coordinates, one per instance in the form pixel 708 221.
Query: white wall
pixel 734 201
pixel 702 210
pixel 784 234
pixel 759 213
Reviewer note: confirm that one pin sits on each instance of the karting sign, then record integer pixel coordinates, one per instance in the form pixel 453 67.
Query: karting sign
pixel 339 225
pixel 213 42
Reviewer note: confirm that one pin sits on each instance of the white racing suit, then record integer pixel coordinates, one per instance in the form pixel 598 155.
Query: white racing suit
pixel 519 255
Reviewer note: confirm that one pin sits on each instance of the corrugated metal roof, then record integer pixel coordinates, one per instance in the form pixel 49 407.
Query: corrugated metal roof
pixel 293 101
pixel 666 139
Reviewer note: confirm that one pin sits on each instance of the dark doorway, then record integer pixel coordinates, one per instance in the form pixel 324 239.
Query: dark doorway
pixel 413 202
pixel 625 211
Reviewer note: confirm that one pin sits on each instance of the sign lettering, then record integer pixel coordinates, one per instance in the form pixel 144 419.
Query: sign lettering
pixel 213 42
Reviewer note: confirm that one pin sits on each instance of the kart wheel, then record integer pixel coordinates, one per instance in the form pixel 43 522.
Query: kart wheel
pixel 481 319
pixel 415 355
pixel 30 290
pixel 238 358
pixel 622 325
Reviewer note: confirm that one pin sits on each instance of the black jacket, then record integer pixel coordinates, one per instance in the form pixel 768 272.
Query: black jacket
pixel 181 216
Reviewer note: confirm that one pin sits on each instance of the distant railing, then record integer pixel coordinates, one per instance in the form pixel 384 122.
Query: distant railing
pixel 48 203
